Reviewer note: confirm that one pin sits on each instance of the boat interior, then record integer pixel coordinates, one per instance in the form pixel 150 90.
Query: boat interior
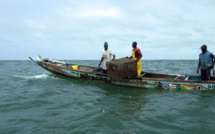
pixel 99 71
pixel 76 66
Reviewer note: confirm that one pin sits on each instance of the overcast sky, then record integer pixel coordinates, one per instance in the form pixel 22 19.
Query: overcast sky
pixel 77 29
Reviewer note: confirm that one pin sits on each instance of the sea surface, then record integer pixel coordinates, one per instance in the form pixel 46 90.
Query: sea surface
pixel 34 101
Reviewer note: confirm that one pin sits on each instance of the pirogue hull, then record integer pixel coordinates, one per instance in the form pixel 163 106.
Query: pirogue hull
pixel 147 79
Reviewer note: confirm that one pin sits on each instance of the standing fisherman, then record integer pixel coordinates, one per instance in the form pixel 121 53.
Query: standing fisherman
pixel 206 62
pixel 137 55
pixel 106 56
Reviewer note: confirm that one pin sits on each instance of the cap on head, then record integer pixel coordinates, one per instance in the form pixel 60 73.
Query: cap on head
pixel 105 44
pixel 203 46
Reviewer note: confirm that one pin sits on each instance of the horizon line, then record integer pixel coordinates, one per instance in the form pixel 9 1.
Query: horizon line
pixel 87 59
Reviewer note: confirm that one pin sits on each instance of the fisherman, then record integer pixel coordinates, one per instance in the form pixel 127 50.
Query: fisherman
pixel 106 56
pixel 206 62
pixel 137 55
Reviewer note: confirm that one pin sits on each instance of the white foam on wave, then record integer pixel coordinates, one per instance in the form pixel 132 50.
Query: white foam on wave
pixel 40 76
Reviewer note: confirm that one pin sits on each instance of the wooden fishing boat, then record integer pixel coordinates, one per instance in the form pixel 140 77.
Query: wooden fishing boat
pixel 147 79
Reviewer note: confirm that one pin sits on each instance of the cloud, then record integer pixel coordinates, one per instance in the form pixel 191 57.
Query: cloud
pixel 90 9
pixel 35 24
pixel 111 12
pixel 161 27
pixel 39 35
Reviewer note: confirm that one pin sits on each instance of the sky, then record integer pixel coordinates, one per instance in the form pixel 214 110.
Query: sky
pixel 77 29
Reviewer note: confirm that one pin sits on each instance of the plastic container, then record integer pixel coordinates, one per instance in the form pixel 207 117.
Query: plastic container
pixel 75 67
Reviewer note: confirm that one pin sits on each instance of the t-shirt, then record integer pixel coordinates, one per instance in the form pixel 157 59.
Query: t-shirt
pixel 138 53
pixel 206 60
pixel 106 54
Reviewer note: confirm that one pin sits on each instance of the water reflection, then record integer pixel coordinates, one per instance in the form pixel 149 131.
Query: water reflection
pixel 206 99
pixel 125 103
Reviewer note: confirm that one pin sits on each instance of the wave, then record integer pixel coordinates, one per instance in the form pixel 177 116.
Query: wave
pixel 39 76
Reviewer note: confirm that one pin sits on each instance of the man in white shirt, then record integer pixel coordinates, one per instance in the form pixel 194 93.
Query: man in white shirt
pixel 106 56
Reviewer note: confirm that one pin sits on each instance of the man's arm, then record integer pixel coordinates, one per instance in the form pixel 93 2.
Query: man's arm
pixel 114 57
pixel 213 59
pixel 101 61
pixel 113 54
pixel 199 64
pixel 139 53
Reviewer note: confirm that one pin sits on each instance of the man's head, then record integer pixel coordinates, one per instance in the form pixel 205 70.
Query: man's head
pixel 106 45
pixel 134 44
pixel 204 48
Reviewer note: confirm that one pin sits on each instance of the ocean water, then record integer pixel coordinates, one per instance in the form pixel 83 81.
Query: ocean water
pixel 34 101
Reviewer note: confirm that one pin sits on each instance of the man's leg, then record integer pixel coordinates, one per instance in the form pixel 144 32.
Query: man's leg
pixel 205 74
pixel 139 68
pixel 105 71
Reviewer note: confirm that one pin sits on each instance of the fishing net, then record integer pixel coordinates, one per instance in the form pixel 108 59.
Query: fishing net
pixel 121 68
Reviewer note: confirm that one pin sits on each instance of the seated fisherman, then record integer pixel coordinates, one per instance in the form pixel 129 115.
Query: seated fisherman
pixel 137 55
pixel 106 56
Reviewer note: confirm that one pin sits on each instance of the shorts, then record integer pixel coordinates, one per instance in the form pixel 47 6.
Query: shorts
pixel 205 74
